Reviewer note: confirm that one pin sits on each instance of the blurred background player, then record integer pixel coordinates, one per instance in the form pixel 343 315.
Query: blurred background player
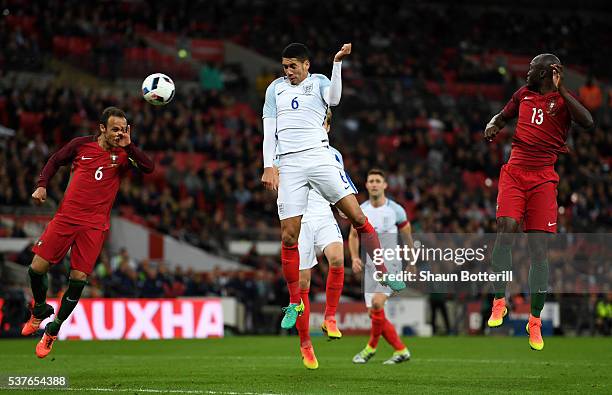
pixel 293 117
pixel 388 218
pixel 82 220
pixel 320 234
pixel 528 182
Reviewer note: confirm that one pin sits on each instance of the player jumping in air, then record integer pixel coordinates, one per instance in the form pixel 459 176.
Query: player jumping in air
pixel 83 217
pixel 528 182
pixel 293 118
pixel 320 233
pixel 387 218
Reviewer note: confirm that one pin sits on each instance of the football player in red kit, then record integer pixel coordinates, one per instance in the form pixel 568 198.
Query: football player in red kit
pixel 528 182
pixel 83 217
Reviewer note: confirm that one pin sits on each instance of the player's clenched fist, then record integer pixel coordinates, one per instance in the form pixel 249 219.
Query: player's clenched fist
pixel 40 195
pixel 270 179
pixel 491 131
pixel 345 50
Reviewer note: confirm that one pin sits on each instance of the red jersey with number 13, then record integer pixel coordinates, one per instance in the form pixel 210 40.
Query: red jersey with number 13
pixel 541 129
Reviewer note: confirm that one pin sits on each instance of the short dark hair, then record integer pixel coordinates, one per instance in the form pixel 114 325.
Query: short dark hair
pixel 111 112
pixel 296 50
pixel 377 172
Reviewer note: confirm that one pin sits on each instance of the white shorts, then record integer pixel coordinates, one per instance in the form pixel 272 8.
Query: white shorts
pixel 315 168
pixel 368 296
pixel 372 287
pixel 315 236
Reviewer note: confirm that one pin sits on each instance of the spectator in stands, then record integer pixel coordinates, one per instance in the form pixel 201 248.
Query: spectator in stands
pixel 152 286
pixel 123 281
pixel 603 311
pixel 591 97
pixel 122 256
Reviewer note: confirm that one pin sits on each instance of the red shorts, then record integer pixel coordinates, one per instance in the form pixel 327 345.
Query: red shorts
pixel 59 236
pixel 529 196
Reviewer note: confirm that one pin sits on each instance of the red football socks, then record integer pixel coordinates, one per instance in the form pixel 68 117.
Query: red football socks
pixel 290 259
pixel 303 321
pixel 378 323
pixel 391 336
pixel 370 241
pixel 333 290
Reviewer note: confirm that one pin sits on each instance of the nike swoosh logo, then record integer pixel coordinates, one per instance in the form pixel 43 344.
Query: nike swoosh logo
pixel 280 92
pixel 552 223
pixel 85 158
pixel 71 300
pixel 347 187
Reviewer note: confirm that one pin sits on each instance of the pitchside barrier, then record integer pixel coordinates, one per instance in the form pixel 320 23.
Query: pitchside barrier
pixel 113 319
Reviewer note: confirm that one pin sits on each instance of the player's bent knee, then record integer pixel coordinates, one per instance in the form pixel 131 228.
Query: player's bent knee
pixel 39 264
pixel 378 302
pixel 289 240
pixel 336 261
pixel 304 283
pixel 506 225
pixel 78 275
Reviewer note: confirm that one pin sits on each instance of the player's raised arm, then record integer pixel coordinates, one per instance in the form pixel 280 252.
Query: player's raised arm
pixel 578 112
pixel 333 92
pixel 137 157
pixel 269 179
pixel 60 158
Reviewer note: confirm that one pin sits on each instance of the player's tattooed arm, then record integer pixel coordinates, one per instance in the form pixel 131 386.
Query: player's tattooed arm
pixel 578 112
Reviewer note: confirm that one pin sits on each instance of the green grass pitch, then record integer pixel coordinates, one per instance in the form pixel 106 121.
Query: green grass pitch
pixel 271 365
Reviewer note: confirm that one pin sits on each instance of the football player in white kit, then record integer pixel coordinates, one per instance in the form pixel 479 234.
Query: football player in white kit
pixel 293 116
pixel 388 218
pixel 320 234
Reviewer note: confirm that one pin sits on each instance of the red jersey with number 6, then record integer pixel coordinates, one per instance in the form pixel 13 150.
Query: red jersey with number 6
pixel 542 127
pixel 95 178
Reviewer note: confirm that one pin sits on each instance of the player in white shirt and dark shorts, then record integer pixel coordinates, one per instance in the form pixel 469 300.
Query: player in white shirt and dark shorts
pixel 293 117
pixel 389 219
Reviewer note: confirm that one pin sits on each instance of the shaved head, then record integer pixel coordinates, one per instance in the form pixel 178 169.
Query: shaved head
pixel 546 59
pixel 540 70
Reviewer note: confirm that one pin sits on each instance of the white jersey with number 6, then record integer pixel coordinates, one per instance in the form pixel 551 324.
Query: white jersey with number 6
pixel 300 112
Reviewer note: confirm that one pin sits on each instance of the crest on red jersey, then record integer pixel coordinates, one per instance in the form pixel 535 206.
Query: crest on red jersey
pixel 114 158
pixel 551 106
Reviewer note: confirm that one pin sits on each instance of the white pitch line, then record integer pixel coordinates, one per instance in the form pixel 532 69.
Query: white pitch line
pixel 147 390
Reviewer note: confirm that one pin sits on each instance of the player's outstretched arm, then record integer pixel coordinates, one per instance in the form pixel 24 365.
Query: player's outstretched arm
pixel 138 158
pixel 578 112
pixel 495 125
pixel 62 157
pixel 333 93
